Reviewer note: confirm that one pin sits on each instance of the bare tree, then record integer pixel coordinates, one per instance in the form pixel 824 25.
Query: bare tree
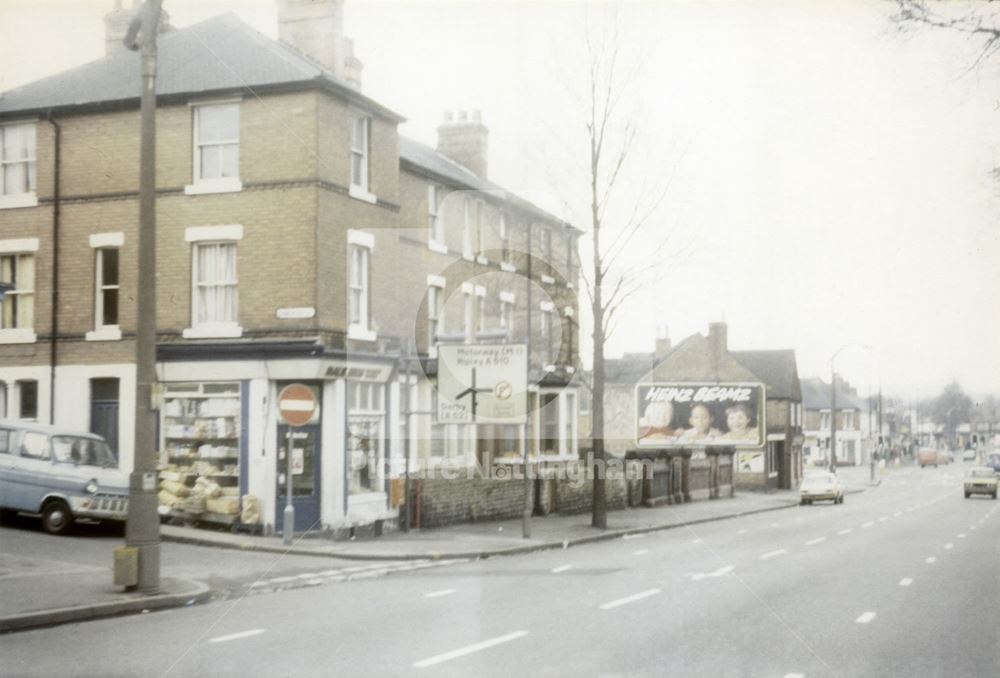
pixel 980 21
pixel 611 134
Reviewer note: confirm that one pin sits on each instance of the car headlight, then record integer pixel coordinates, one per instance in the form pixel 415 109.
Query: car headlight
pixel 91 486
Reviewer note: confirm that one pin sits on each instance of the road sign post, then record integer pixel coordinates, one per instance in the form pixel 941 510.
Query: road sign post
pixel 482 384
pixel 296 406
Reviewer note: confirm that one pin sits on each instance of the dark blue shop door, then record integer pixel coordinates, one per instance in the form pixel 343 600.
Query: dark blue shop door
pixel 305 477
pixel 104 410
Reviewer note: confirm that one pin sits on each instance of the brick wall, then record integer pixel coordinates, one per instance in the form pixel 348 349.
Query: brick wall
pixel 451 501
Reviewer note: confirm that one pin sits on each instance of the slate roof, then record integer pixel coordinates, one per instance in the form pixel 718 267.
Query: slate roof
pixel 427 160
pixel 218 55
pixel 816 396
pixel 777 369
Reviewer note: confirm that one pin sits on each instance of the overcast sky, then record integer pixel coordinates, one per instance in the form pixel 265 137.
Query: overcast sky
pixel 831 178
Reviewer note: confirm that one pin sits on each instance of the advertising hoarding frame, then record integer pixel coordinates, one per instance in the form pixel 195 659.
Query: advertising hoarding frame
pixel 682 437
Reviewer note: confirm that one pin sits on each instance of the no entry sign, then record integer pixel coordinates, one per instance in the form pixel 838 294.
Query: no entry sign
pixel 296 404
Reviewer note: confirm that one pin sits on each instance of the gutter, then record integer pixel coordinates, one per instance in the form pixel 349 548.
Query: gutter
pixel 56 204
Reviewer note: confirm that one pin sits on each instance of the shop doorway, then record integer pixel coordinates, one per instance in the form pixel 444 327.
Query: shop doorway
pixel 306 446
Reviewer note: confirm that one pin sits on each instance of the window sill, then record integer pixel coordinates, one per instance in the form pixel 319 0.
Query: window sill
pixel 359 193
pixel 18 200
pixel 18 336
pixel 468 257
pixel 214 186
pixel 214 331
pixel 508 268
pixel 108 333
pixel 482 261
pixel 361 334
pixel 435 246
pixel 548 280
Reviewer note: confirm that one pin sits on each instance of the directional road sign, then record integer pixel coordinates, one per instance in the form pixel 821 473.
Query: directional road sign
pixel 482 384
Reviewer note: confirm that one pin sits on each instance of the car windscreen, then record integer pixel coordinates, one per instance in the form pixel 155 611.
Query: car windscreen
pixel 818 480
pixel 82 451
pixel 982 473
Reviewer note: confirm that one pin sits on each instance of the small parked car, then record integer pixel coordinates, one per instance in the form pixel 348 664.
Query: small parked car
pixel 928 456
pixel 820 487
pixel 993 461
pixel 969 455
pixel 980 480
pixel 60 475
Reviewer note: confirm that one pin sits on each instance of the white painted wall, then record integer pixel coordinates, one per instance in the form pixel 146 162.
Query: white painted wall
pixel 73 402
pixel 332 481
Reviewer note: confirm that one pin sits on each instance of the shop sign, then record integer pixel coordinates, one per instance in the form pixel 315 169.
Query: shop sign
pixel 691 414
pixel 482 384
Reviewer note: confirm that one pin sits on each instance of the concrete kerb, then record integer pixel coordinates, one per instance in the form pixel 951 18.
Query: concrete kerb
pixel 198 593
pixel 488 553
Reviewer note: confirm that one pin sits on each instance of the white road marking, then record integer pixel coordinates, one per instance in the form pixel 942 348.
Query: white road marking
pixel 469 649
pixel 931 560
pixel 909 510
pixel 906 581
pixel 328 573
pixel 972 528
pixel 813 542
pixel 742 532
pixel 772 554
pixel 718 573
pixel 795 675
pixel 847 531
pixel 948 546
pixel 236 636
pixel 961 536
pixel 282 580
pixel 897 514
pixel 629 599
pixel 561 568
pixel 634 536
pixel 883 519
pixel 774 524
pixel 869 523
pixel 438 594
pixel 865 618
pixel 640 552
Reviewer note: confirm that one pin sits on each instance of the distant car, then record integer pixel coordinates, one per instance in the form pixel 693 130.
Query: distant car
pixel 981 480
pixel 969 455
pixel 928 456
pixel 821 487
pixel 993 461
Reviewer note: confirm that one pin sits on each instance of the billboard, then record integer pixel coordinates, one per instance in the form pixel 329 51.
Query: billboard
pixel 700 414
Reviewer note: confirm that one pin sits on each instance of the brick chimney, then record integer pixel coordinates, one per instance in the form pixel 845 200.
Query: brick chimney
pixel 718 344
pixel 663 344
pixel 117 20
pixel 316 28
pixel 463 138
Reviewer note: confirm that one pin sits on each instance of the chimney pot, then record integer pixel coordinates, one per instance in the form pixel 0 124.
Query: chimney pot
pixel 465 141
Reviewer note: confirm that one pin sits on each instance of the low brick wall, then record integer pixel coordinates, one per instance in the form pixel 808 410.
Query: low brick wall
pixel 463 500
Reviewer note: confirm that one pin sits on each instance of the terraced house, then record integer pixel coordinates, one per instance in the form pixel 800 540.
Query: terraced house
pixel 300 238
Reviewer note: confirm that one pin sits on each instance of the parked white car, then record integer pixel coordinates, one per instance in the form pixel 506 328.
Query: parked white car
pixel 60 475
pixel 821 487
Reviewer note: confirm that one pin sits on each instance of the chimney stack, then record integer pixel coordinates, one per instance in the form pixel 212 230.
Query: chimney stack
pixel 316 28
pixel 463 138
pixel 117 20
pixel 663 344
pixel 718 344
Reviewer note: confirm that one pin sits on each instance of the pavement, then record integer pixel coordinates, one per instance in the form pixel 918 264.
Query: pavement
pixel 80 590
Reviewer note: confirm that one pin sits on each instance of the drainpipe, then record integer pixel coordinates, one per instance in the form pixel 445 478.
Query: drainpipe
pixel 55 267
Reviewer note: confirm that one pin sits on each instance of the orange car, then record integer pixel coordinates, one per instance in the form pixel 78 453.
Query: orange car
pixel 928 456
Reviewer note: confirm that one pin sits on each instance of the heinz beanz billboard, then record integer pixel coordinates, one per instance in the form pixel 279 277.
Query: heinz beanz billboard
pixel 695 414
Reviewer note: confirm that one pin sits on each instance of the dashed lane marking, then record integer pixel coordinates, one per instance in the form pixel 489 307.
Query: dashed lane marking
pixel 817 540
pixel 640 552
pixel 869 523
pixel 865 618
pixel 629 599
pixel 236 636
pixel 438 594
pixel 847 531
pixel 469 649
pixel 949 545
pixel 906 581
pixel 772 554
pixel 931 560
pixel 961 536
pixel 561 568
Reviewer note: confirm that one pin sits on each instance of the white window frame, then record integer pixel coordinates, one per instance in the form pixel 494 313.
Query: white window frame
pixel 467 253
pixel 435 221
pixel 481 314
pixel 545 244
pixel 435 311
pixel 17 248
pixel 28 198
pixel 211 235
pixel 467 313
pixel 363 243
pixel 201 185
pixel 359 186
pixel 481 233
pixel 504 240
pixel 111 332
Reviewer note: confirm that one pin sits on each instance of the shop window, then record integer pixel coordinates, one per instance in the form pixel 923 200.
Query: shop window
pixel 366 433
pixel 550 424
pixel 3 400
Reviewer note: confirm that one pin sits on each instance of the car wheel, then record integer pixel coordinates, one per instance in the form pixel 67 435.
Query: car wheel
pixel 56 517
pixel 966 495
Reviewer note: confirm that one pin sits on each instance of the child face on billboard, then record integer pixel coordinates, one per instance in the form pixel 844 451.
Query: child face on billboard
pixel 701 419
pixel 737 419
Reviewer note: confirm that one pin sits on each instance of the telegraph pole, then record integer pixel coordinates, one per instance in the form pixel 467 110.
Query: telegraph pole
pixel 528 500
pixel 142 526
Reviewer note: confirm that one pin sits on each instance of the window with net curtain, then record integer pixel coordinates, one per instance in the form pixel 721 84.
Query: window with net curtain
pixel 215 289
pixel 17 159
pixel 19 303
pixel 218 142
